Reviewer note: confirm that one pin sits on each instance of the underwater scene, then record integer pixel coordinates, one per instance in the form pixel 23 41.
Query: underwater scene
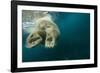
pixel 55 36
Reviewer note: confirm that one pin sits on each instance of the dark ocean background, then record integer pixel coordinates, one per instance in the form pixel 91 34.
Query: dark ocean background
pixel 73 42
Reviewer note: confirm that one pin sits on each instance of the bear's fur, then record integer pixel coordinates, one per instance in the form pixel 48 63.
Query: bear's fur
pixel 45 31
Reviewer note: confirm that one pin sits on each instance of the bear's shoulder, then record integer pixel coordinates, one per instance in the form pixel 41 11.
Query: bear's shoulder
pixel 45 18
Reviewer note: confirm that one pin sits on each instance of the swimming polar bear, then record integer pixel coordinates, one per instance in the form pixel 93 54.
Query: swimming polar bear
pixel 46 31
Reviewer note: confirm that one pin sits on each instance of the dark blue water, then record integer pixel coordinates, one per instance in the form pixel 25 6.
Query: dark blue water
pixel 73 43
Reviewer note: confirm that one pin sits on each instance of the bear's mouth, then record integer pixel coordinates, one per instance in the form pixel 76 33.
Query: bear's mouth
pixel 34 39
pixel 33 42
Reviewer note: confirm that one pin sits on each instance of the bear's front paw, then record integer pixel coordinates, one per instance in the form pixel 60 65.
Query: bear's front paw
pixel 49 43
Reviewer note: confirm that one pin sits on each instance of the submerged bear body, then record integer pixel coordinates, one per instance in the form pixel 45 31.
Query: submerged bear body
pixel 46 31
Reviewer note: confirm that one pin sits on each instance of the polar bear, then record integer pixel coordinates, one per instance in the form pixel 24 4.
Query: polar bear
pixel 46 31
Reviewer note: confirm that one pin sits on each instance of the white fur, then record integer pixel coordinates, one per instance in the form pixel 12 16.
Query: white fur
pixel 44 24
